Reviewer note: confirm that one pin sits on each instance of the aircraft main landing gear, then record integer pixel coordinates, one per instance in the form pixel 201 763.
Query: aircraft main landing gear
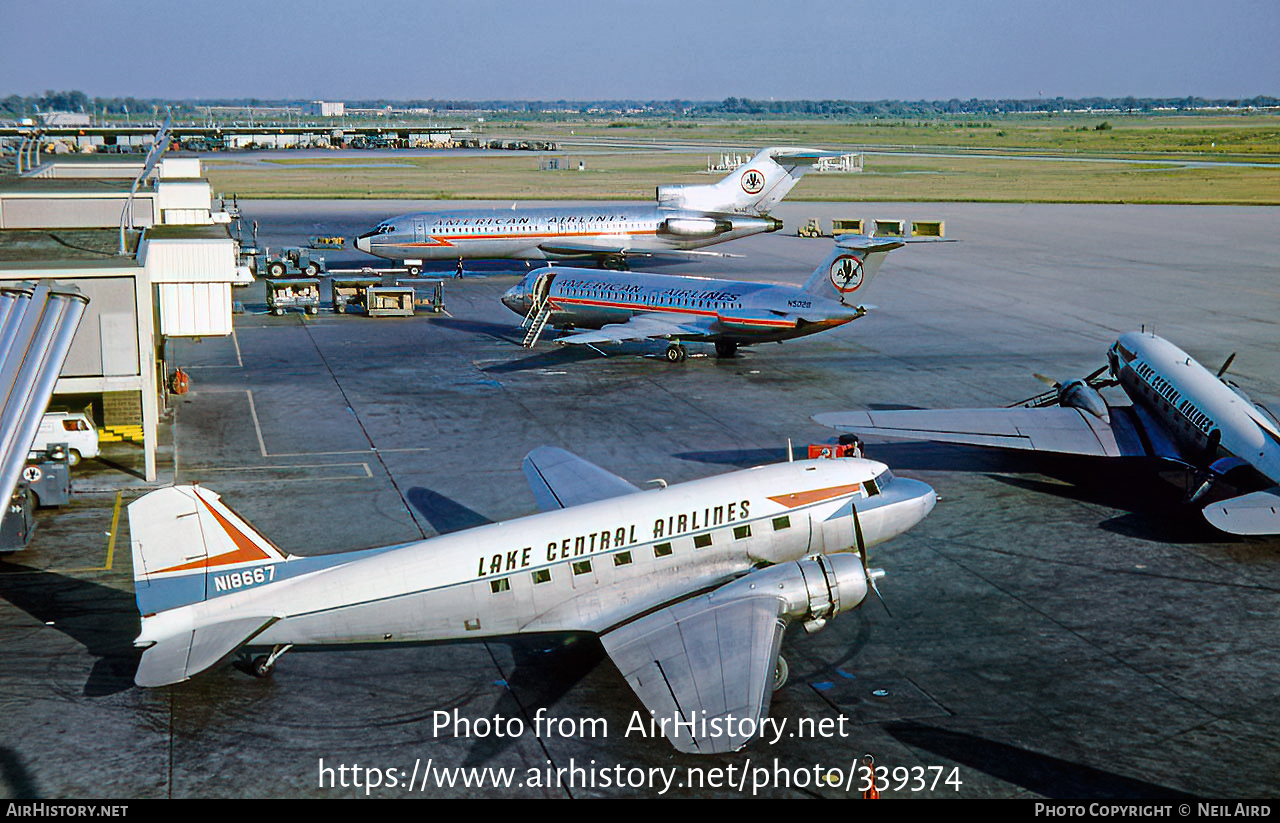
pixel 263 664
pixel 676 353
pixel 781 671
pixel 726 348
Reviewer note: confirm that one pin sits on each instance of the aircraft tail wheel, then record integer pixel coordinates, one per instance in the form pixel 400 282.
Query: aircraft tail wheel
pixel 675 353
pixel 781 671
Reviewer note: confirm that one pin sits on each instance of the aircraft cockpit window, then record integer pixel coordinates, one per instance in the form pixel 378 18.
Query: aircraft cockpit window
pixel 384 228
pixel 878 483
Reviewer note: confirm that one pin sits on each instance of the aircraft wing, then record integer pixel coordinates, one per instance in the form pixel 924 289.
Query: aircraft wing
pixel 1256 513
pixel 601 249
pixel 642 327
pixel 704 669
pixel 560 479
pixel 1055 429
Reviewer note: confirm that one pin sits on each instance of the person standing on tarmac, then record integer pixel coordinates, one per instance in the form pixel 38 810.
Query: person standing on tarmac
pixel 458 271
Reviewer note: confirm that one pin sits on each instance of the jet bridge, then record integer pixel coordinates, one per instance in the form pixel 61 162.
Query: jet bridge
pixel 37 324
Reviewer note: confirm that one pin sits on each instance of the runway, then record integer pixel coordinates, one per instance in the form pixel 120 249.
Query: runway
pixel 1059 628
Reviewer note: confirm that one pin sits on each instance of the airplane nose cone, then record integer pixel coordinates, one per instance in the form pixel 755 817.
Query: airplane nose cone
pixel 362 243
pixel 514 299
pixel 922 493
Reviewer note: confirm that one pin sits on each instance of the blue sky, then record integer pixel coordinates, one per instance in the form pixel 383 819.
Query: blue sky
pixel 657 49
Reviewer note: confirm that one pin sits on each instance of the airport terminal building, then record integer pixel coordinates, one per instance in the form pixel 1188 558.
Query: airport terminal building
pixel 155 262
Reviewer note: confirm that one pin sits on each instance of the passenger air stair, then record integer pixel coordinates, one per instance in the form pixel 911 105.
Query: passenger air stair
pixel 539 311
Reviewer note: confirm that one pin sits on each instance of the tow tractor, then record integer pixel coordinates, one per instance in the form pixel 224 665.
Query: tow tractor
pixel 290 262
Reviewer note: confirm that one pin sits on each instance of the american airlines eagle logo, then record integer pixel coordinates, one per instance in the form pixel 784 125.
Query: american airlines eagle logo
pixel 752 181
pixel 846 273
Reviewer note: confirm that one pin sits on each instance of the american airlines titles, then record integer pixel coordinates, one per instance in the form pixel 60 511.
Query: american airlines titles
pixel 636 288
pixel 604 540
pixel 521 221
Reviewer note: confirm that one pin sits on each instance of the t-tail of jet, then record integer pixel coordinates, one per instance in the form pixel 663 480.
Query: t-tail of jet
pixel 753 188
pixel 850 267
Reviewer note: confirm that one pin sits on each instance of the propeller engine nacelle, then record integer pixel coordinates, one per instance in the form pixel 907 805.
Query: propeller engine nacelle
pixel 1078 394
pixel 814 589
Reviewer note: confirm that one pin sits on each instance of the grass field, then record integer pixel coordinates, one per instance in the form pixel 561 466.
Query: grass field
pixel 966 172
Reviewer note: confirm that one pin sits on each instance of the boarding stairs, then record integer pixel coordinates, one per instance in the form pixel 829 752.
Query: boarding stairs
pixel 539 311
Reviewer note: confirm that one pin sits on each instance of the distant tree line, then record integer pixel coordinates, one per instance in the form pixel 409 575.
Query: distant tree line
pixel 76 101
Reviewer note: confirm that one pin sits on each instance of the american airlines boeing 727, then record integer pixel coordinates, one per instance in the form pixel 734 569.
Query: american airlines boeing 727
pixel 611 307
pixel 684 219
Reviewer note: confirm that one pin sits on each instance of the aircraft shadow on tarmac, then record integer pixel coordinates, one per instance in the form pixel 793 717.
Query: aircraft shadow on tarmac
pixel 505 332
pixel 545 667
pixel 102 619
pixel 552 358
pixel 442 513
pixel 1049 777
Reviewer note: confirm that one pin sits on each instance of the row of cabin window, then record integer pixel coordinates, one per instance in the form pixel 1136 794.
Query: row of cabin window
pixel 507 229
pixel 684 302
pixel 700 541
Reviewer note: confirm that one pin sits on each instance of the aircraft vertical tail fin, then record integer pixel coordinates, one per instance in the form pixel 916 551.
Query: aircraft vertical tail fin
pixel 850 266
pixel 188 546
pixel 753 188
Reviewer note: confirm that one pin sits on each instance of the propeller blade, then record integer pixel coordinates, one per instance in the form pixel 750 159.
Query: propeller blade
pixel 1049 398
pixel 862 556
pixel 1049 381
pixel 1226 365
pixel 1096 375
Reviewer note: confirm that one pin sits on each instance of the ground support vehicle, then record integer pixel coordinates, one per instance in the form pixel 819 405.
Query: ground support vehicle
pixel 811 228
pixel 290 262
pixel 839 227
pixel 294 293
pixel 394 296
pixel 75 431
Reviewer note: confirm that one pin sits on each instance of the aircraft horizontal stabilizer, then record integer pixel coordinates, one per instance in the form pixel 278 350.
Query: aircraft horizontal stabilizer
pixel 1256 513
pixel 560 479
pixel 179 656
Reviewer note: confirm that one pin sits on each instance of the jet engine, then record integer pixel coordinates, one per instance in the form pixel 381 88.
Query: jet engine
pixel 694 226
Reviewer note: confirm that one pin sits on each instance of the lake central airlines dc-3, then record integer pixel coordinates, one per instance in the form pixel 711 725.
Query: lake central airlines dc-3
pixel 1182 415
pixel 688 587
pixel 618 306
pixel 685 218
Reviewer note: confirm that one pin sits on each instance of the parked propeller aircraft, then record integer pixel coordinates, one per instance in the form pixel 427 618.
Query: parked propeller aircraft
pixel 1180 413
pixel 685 218
pixel 619 306
pixel 689 587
